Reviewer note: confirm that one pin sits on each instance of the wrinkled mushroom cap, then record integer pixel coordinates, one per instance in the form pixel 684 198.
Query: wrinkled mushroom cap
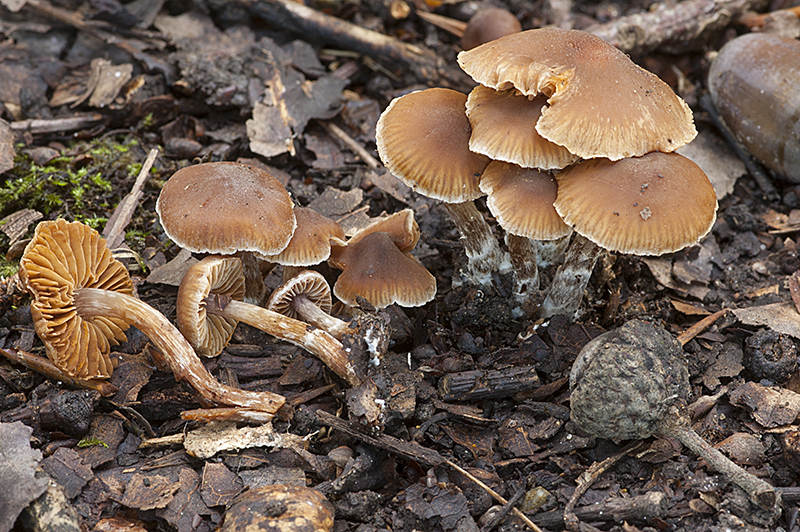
pixel 504 129
pixel 375 269
pixel 521 200
pixel 207 333
pixel 226 207
pixel 601 104
pixel 308 283
pixel 61 259
pixel 423 139
pixel 650 205
pixel 311 241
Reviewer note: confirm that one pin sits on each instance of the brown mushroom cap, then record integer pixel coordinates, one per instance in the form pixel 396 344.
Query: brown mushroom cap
pixel 375 269
pixel 226 207
pixel 207 333
pixel 309 283
pixel 503 129
pixel 61 259
pixel 601 104
pixel 311 241
pixel 423 139
pixel 487 25
pixel 650 205
pixel 521 200
pixel 401 226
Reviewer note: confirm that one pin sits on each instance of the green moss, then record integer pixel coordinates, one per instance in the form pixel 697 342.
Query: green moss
pixel 8 268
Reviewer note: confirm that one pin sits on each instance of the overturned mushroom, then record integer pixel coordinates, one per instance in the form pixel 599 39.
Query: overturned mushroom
pixel 82 298
pixel 307 296
pixel 209 307
pixel 423 139
pixel 226 208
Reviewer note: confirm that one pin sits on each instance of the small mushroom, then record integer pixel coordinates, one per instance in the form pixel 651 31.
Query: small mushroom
pixel 423 139
pixel 82 302
pixel 521 200
pixel 376 265
pixel 487 25
pixel 307 296
pixel 310 244
pixel 209 306
pixel 599 102
pixel 650 205
pixel 633 383
pixel 225 208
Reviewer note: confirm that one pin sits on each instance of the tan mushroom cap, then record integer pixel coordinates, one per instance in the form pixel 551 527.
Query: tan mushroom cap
pixel 503 129
pixel 521 200
pixel 401 226
pixel 487 25
pixel 650 205
pixel 207 333
pixel 375 269
pixel 601 104
pixel 61 259
pixel 423 139
pixel 311 241
pixel 226 207
pixel 308 283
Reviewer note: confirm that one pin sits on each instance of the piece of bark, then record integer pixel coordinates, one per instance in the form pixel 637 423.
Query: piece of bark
pixel 674 28
pixel 37 126
pixel 315 26
pixel 480 384
pixel 639 509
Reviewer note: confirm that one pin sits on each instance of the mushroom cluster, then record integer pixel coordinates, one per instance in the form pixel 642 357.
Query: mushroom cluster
pixel 565 134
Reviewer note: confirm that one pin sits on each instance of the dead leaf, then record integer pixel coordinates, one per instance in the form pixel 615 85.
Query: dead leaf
pixel 219 485
pixel 148 492
pixel 688 309
pixel 712 154
pixel 68 470
pixel 770 406
pixel 19 485
pixel 780 317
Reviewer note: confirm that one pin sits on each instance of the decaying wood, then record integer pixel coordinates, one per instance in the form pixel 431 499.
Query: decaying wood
pixel 482 384
pixel 637 509
pixel 315 26
pixel 37 126
pixel 674 28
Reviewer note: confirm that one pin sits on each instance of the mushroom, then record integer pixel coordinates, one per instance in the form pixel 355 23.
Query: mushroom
pixel 225 208
pixel 209 306
pixel 307 296
pixel 503 128
pixel 521 200
pixel 377 265
pixel 423 139
pixel 83 302
pixel 310 244
pixel 487 25
pixel 651 205
pixel 633 383
pixel 600 103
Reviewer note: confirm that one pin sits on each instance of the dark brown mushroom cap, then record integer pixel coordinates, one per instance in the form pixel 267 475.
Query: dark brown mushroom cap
pixel 487 25
pixel 308 283
pixel 311 241
pixel 207 333
pixel 504 129
pixel 375 269
pixel 650 205
pixel 61 259
pixel 521 200
pixel 226 207
pixel 279 508
pixel 423 139
pixel 601 104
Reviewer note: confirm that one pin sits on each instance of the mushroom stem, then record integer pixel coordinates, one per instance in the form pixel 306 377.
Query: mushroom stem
pixel 569 282
pixel 523 255
pixel 551 251
pixel 676 425
pixel 319 318
pixel 484 255
pixel 185 365
pixel 255 269
pixel 316 341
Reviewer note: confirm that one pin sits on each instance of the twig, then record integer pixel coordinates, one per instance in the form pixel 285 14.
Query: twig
pixel 496 496
pixel 686 336
pixel 642 508
pixel 354 146
pixel 504 511
pixel 419 61
pixel 585 480
pixel 45 367
pixel 37 126
pixel 674 28
pixel 114 231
